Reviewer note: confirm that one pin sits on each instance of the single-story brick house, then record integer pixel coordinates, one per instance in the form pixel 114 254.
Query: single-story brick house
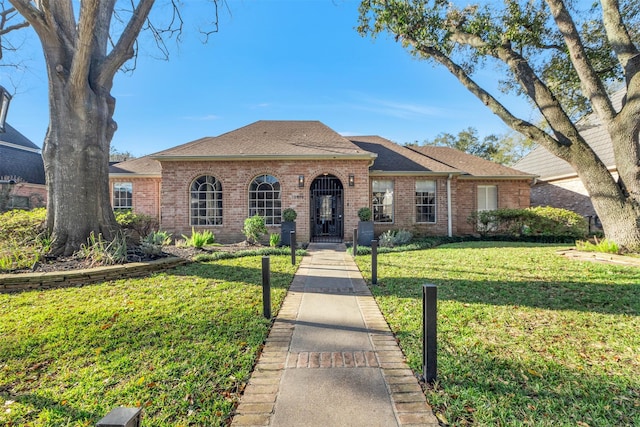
pixel 217 182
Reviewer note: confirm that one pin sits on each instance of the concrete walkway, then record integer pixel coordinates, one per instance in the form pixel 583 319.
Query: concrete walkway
pixel 330 359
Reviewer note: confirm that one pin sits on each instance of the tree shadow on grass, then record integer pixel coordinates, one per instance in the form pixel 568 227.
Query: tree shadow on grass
pixel 478 386
pixel 219 271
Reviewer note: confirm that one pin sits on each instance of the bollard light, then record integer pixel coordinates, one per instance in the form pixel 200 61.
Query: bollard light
pixel 122 417
pixel 266 287
pixel 429 330
pixel 374 262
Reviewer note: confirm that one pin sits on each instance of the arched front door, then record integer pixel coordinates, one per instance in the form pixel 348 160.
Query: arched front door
pixel 327 208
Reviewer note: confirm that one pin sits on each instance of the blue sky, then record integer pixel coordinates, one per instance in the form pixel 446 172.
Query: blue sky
pixel 272 60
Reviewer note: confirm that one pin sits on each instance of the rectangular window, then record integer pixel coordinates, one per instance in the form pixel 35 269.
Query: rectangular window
pixel 122 195
pixel 426 201
pixel 487 197
pixel 382 204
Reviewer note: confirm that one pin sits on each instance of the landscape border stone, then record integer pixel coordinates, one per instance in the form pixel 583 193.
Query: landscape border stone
pixel 61 279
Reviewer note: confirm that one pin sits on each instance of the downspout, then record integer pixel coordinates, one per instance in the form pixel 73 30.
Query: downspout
pixel 449 216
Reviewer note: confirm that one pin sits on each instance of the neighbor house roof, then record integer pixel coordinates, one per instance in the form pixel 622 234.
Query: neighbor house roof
pixel 269 139
pixel 141 166
pixel 547 166
pixel 394 159
pixel 20 158
pixel 468 164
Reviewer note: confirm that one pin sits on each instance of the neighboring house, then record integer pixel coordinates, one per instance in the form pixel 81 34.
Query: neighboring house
pixel 217 182
pixel 22 179
pixel 558 184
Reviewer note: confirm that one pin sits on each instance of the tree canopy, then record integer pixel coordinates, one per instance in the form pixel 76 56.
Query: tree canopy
pixel 504 149
pixel 566 57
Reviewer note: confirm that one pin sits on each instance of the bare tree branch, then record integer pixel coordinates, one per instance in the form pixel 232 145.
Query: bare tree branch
pixel 123 49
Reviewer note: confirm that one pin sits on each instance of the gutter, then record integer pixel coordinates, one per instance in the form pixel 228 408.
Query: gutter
pixel 449 215
pixel 262 157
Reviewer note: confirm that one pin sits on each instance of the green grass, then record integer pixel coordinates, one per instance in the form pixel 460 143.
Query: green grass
pixel 181 344
pixel 525 336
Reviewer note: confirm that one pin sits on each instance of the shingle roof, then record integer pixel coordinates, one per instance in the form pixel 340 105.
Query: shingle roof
pixel 541 162
pixel 18 163
pixel 12 136
pixel 141 166
pixel 19 157
pixel 396 158
pixel 269 139
pixel 468 163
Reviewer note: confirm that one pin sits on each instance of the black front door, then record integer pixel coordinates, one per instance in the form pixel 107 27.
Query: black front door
pixel 327 209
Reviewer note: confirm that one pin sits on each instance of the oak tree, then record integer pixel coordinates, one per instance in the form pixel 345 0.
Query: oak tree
pixel 565 57
pixel 85 44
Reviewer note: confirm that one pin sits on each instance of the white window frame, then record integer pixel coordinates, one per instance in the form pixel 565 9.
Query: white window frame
pixel 122 195
pixel 205 193
pixel 383 201
pixel 425 200
pixel 265 199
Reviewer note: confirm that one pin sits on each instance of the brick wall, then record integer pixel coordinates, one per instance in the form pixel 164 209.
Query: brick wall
pixel 511 194
pixel 37 193
pixel 236 176
pixel 146 194
pixel 404 209
pixel 566 194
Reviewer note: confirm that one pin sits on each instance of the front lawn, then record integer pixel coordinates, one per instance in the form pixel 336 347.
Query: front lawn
pixel 181 344
pixel 525 337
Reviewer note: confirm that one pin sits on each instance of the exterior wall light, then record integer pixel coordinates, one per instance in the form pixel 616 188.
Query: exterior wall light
pixel 352 180
pixel 301 181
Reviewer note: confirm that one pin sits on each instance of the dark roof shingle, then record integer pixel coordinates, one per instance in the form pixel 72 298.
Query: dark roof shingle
pixel 269 138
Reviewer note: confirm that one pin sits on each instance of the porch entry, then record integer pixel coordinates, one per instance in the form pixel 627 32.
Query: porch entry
pixel 327 208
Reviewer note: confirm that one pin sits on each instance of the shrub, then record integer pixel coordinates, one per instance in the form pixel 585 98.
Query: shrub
pixel 536 222
pixel 274 240
pixel 364 214
pixel 142 225
pixel 22 225
pixel 391 238
pixel 199 239
pixel 605 246
pixel 254 228
pixel 103 252
pixel 289 215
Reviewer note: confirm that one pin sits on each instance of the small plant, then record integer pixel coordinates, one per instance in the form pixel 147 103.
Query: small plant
pixel 391 238
pixel 103 252
pixel 274 240
pixel 364 214
pixel 254 228
pixel 199 239
pixel 153 242
pixel 605 246
pixel 289 215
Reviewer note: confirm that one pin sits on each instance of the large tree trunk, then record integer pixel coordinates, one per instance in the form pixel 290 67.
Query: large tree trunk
pixel 76 159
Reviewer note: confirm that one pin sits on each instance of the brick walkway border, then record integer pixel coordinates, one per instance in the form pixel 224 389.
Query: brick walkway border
pixel 257 404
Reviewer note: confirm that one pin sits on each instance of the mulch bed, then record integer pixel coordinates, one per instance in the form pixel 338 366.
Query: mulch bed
pixel 134 255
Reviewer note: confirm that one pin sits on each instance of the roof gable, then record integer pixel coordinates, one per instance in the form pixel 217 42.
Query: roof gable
pixel 269 139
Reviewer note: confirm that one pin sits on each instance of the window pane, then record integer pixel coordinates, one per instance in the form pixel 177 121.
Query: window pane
pixel 264 199
pixel 122 195
pixel 426 201
pixel 206 192
pixel 382 200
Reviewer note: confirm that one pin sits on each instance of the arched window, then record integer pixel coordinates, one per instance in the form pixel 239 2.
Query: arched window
pixel 206 201
pixel 264 199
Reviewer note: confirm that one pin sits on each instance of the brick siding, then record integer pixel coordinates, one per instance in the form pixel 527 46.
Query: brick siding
pixel 236 176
